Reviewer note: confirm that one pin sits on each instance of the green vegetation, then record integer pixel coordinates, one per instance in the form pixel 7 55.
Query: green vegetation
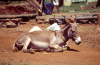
pixel 12 63
pixel 75 8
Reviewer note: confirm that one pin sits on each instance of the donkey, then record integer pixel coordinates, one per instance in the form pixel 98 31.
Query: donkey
pixel 48 40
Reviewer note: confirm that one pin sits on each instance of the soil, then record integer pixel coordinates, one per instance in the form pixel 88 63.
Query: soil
pixel 87 53
pixel 17 9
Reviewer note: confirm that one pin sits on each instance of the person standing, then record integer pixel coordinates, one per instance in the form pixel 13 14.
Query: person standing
pixel 98 3
pixel 55 3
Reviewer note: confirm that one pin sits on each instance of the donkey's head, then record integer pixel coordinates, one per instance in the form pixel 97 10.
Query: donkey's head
pixel 73 31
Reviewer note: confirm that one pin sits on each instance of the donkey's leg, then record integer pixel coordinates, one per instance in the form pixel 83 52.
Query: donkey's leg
pixel 24 49
pixel 56 48
pixel 59 49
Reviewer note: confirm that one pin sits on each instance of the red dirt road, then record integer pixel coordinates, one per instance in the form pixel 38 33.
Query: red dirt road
pixel 88 53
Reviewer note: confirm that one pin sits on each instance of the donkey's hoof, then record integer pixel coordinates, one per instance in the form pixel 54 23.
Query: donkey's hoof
pixel 32 52
pixel 15 50
pixel 61 50
pixel 25 51
pixel 58 50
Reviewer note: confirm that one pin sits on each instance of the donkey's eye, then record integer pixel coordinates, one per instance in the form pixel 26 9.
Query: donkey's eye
pixel 73 31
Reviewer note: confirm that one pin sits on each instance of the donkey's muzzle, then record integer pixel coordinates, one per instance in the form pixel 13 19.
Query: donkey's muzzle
pixel 78 41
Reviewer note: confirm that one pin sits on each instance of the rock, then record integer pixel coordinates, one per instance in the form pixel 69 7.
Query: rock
pixel 10 24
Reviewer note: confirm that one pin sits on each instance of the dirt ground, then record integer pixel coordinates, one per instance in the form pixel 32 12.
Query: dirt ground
pixel 87 53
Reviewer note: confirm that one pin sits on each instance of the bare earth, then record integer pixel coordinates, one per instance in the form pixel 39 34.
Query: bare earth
pixel 87 53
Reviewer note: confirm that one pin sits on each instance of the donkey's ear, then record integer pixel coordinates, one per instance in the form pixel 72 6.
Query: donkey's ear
pixel 67 21
pixel 72 19
pixel 64 28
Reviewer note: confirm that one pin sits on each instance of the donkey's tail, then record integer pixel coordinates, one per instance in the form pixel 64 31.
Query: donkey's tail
pixel 15 49
pixel 13 46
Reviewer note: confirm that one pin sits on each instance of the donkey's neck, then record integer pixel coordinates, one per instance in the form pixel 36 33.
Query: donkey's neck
pixel 61 34
pixel 64 32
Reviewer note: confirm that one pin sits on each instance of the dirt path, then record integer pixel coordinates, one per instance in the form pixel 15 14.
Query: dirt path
pixel 77 55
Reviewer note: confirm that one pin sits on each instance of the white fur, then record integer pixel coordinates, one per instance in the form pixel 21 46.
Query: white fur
pixel 78 40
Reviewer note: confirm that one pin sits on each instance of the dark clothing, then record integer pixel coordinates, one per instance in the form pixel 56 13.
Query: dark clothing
pixel 98 3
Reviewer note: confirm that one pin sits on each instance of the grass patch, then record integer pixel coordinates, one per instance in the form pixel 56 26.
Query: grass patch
pixel 75 8
pixel 11 63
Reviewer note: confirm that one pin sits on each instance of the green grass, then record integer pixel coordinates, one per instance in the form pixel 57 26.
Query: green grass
pixel 97 10
pixel 12 63
pixel 65 9
pixel 76 8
